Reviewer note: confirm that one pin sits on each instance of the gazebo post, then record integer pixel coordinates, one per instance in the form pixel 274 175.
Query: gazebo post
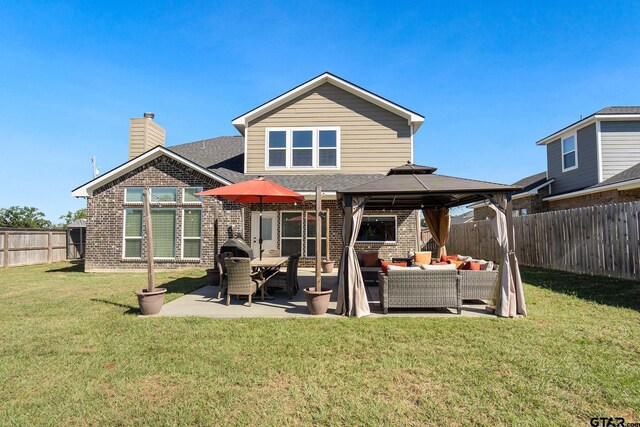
pixel 511 238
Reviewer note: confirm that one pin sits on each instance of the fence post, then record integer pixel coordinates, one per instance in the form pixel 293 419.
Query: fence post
pixel 49 246
pixel 6 249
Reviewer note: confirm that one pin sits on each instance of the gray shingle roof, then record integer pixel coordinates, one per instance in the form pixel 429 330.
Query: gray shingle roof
pixel 626 175
pixel 620 110
pixel 531 182
pixel 224 156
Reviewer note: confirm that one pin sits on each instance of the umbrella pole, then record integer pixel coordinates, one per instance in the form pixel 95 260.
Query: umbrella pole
pixel 260 229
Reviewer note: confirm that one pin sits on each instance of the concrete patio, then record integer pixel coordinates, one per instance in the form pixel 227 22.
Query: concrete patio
pixel 204 303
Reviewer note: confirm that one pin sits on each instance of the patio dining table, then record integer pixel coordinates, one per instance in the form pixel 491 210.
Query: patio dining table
pixel 267 268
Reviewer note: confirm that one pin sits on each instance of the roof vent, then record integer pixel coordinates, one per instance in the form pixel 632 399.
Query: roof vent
pixel 148 115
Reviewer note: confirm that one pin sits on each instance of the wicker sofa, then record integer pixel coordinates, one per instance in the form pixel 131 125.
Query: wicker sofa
pixel 477 284
pixel 416 288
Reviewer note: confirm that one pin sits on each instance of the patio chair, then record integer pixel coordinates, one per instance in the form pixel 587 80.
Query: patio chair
pixel 239 278
pixel 223 271
pixel 287 280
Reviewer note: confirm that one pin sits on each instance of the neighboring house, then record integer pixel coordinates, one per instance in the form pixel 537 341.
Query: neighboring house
pixel 462 218
pixel 526 201
pixel 593 161
pixel 326 132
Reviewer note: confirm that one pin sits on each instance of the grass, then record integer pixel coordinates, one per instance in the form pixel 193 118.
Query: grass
pixel 73 351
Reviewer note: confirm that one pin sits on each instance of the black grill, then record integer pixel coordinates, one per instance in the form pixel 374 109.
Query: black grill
pixel 238 247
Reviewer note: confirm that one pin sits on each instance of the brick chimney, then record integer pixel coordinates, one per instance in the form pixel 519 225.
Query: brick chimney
pixel 144 134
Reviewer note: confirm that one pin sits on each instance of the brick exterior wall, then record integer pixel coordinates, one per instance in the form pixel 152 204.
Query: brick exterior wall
pixel 105 216
pixel 533 204
pixel 405 233
pixel 536 204
pixel 602 198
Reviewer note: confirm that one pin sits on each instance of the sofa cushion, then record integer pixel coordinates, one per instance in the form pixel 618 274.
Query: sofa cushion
pixel 392 267
pixel 486 266
pixel 422 258
pixel 370 259
pixel 385 264
pixel 444 266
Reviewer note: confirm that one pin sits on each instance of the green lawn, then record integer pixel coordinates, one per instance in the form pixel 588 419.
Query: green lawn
pixel 74 351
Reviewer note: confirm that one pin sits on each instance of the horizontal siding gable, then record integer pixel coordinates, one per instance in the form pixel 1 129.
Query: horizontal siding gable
pixel 620 142
pixel 372 139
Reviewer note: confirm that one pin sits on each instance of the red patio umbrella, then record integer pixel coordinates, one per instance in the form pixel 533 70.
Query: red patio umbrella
pixel 255 191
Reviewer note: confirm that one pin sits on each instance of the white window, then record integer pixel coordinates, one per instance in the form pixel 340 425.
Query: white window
pixel 132 233
pixel 302 148
pixel 164 195
pixel 133 195
pixel 311 233
pixel 276 148
pixel 378 229
pixel 188 195
pixel 163 226
pixel 191 233
pixel 569 153
pixel 290 233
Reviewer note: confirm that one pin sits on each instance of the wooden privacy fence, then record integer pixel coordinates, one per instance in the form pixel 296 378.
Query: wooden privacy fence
pixel 29 246
pixel 602 240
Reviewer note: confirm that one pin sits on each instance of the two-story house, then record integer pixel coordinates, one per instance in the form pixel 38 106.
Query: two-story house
pixel 593 161
pixel 326 132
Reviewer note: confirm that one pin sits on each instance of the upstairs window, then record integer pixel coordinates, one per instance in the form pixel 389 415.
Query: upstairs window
pixel 569 153
pixel 277 148
pixel 303 148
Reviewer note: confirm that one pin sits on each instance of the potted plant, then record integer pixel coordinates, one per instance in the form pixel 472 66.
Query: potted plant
pixel 213 276
pixel 327 266
pixel 151 299
pixel 317 299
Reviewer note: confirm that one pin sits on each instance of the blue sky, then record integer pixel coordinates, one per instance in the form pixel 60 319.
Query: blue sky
pixel 490 77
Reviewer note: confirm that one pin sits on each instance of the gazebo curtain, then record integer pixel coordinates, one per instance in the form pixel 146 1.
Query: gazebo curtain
pixel 352 297
pixel 509 293
pixel 438 221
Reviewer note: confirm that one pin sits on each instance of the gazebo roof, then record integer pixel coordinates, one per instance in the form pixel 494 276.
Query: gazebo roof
pixel 413 187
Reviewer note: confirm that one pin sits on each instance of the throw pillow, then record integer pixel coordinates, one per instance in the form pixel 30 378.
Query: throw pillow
pixel 473 266
pixel 370 259
pixel 422 258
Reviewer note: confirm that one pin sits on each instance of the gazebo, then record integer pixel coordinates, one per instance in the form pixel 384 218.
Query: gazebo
pixel 417 187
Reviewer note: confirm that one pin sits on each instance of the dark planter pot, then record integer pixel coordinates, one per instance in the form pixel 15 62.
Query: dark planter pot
pixel 327 266
pixel 213 277
pixel 317 302
pixel 151 302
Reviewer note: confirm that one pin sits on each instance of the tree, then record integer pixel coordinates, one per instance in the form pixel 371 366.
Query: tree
pixel 69 217
pixel 23 217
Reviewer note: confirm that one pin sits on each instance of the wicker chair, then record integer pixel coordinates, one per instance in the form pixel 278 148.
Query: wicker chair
pixel 223 271
pixel 479 285
pixel 287 280
pixel 414 288
pixel 239 278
